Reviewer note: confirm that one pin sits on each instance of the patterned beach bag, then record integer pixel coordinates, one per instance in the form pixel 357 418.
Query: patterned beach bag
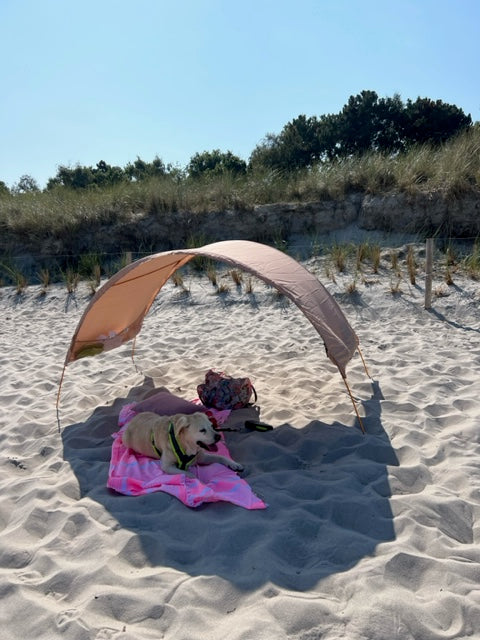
pixel 221 391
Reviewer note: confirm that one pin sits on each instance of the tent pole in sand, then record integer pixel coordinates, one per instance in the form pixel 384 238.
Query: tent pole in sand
pixel 132 355
pixel 364 363
pixel 354 405
pixel 58 394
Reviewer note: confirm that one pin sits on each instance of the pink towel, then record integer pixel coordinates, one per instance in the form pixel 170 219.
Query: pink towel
pixel 134 474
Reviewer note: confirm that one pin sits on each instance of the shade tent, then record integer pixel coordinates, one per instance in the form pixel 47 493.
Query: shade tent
pixel 116 312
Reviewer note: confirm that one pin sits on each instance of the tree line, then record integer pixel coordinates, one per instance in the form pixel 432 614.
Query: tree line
pixel 366 123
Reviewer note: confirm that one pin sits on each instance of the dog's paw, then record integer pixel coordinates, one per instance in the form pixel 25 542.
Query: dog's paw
pixel 235 466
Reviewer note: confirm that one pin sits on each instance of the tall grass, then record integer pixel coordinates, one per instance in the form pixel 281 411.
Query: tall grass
pixel 61 213
pixel 411 265
pixel 472 262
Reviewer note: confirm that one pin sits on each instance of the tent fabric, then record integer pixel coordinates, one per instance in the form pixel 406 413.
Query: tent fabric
pixel 116 312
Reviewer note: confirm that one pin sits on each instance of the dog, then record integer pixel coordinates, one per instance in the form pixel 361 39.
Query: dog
pixel 178 441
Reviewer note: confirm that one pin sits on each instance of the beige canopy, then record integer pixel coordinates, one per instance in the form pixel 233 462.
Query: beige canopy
pixel 116 312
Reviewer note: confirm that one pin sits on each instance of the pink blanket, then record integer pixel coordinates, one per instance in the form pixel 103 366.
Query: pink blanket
pixel 134 474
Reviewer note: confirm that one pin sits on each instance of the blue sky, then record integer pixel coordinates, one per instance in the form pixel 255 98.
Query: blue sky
pixel 115 79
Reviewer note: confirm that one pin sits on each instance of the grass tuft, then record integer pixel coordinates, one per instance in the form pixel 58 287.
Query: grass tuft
pixel 212 275
pixel 411 265
pixel 71 279
pixel 223 288
pixel 339 254
pixel 375 255
pixel 237 277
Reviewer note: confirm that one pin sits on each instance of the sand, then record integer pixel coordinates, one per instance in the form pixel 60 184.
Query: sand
pixel 370 536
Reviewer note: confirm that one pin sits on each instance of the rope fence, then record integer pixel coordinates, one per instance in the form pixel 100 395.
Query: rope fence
pixel 283 246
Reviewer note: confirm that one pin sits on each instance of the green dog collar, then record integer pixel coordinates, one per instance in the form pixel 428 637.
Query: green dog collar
pixel 183 460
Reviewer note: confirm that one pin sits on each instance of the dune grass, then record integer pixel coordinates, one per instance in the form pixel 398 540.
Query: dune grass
pixel 471 262
pixel 453 169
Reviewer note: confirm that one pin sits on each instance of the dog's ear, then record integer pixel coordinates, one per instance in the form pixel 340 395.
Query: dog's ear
pixel 180 422
pixel 184 434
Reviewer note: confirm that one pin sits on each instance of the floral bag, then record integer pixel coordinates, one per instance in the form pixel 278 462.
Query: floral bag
pixel 221 391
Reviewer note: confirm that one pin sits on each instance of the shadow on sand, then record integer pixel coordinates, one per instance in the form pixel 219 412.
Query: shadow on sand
pixel 326 486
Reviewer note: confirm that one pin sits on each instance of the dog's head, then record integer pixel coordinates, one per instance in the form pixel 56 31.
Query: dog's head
pixel 194 431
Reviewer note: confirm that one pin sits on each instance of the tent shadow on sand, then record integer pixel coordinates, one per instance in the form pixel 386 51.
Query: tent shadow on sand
pixel 326 487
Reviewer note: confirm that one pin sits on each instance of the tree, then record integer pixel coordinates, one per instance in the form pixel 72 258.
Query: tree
pixel 366 123
pixel 77 177
pixel 433 122
pixel 141 170
pixel 80 177
pixel 300 143
pixel 391 120
pixel 358 124
pixel 4 190
pixel 328 136
pixel 26 184
pixel 267 155
pixel 106 175
pixel 297 146
pixel 215 163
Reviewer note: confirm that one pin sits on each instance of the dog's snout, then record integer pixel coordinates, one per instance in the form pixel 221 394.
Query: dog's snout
pixel 217 437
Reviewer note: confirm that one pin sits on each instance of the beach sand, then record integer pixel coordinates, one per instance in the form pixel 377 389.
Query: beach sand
pixel 365 537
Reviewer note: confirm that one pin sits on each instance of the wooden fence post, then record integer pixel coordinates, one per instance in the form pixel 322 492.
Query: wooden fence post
pixel 428 272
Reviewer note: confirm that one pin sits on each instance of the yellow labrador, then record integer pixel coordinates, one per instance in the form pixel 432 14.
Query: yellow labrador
pixel 178 441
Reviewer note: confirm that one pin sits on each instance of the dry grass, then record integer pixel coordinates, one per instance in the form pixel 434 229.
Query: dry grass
pixel 237 277
pixel 339 254
pixel 329 273
pixel 395 288
pixel 451 255
pixel 63 214
pixel 17 277
pixel 212 275
pixel 411 265
pixel 355 264
pixel 44 277
pixel 375 255
pixel 362 254
pixel 177 280
pixel 71 279
pixel 223 288
pixel 448 276
pixel 471 262
pixel 351 287
pixel 21 283
pixel 394 260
